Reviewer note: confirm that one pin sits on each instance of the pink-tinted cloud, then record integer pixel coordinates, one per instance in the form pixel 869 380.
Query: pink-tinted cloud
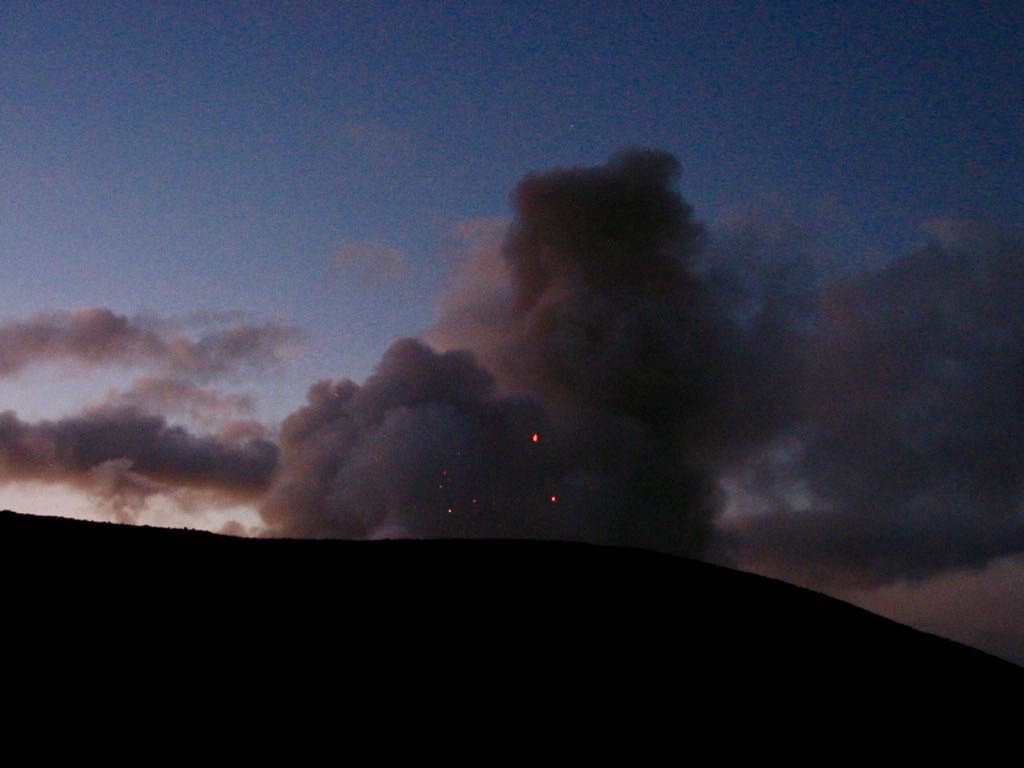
pixel 180 397
pixel 123 457
pixel 95 337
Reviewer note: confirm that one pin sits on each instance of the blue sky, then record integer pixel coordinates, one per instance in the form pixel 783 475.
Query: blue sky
pixel 181 155
pixel 310 164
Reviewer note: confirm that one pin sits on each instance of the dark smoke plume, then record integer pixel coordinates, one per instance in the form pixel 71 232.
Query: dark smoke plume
pixel 606 347
pixel 862 427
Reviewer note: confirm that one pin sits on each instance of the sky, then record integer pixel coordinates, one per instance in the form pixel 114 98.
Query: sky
pixel 749 272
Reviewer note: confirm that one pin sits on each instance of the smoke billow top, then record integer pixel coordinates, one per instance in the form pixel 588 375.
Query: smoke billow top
pixel 611 373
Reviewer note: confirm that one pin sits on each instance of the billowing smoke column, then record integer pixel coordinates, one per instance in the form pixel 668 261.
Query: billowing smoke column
pixel 579 410
pixel 862 428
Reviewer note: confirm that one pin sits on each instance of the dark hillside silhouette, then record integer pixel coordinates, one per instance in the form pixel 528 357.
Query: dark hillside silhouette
pixel 569 625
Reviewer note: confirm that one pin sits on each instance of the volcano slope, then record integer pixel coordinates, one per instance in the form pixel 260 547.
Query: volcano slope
pixel 559 622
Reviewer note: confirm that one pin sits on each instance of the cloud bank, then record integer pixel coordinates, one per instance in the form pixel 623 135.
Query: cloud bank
pixel 124 452
pixel 906 442
pixel 122 457
pixel 175 396
pixel 97 336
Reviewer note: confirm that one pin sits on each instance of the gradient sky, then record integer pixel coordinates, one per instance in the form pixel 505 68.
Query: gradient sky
pixel 316 166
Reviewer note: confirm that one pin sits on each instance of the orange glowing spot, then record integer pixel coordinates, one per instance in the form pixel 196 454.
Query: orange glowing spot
pixel 536 437
pixel 449 510
pixel 554 499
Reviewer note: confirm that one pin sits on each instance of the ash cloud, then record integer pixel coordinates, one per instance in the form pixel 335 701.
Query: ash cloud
pixel 859 426
pixel 603 342
pixel 95 336
pixel 424 447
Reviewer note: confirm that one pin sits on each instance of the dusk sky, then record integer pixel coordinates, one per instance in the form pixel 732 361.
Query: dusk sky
pixel 759 262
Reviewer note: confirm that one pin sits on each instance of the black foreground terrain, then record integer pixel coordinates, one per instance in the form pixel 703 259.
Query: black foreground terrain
pixel 530 627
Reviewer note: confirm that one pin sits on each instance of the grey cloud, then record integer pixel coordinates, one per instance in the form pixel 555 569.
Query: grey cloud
pixel 171 396
pixel 101 337
pixel 910 421
pixel 123 456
